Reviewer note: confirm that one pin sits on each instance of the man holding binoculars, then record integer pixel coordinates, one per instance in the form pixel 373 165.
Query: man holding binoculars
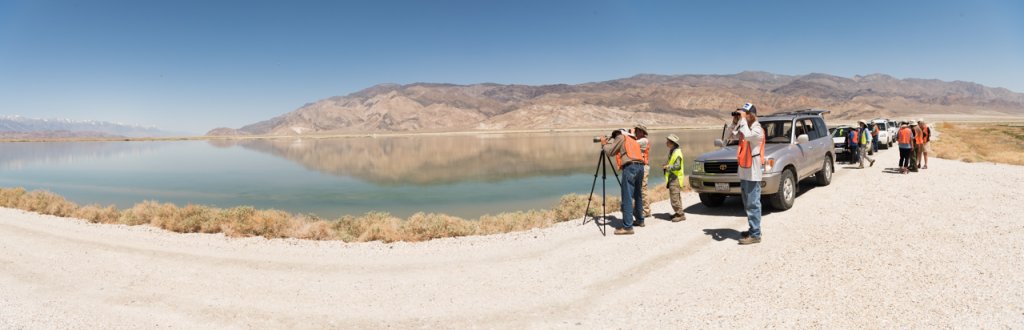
pixel 750 156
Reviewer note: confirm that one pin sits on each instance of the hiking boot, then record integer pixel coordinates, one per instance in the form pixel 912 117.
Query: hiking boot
pixel 872 163
pixel 750 240
pixel 624 231
pixel 679 217
pixel 860 167
pixel 639 224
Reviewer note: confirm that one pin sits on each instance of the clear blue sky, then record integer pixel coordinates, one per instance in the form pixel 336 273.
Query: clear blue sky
pixel 194 65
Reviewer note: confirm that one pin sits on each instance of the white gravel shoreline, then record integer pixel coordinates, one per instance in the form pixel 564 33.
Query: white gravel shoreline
pixel 858 253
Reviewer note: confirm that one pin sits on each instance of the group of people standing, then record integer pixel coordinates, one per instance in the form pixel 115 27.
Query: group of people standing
pixel 913 138
pixel 632 149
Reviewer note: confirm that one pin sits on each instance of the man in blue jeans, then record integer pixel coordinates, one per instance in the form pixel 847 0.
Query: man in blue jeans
pixel 626 150
pixel 750 156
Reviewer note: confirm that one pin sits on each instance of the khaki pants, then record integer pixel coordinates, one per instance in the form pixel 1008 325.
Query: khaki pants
pixel 675 194
pixel 645 197
pixel 864 155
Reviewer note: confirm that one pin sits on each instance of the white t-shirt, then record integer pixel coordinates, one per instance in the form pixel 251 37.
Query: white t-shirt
pixel 753 134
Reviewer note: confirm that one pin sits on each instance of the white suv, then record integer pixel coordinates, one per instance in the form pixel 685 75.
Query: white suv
pixel 886 134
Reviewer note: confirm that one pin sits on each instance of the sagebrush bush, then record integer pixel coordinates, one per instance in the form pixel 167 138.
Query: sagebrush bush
pixel 516 221
pixel 377 226
pixel 10 197
pixel 97 214
pixel 195 219
pixel 427 226
pixel 151 213
pixel 45 202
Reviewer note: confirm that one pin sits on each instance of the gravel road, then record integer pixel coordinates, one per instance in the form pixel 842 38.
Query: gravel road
pixel 939 248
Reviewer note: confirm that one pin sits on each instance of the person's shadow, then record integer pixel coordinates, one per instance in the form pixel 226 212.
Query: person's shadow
pixel 722 234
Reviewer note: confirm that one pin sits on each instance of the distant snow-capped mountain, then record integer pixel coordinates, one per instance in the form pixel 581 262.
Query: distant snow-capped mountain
pixel 20 124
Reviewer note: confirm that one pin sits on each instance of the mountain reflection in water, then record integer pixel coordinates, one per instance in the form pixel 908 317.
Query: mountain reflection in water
pixel 446 159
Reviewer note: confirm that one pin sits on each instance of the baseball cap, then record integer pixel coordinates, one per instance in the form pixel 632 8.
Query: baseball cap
pixel 748 107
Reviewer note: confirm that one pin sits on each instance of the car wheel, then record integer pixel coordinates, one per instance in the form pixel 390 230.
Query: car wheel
pixel 711 200
pixel 783 200
pixel 825 175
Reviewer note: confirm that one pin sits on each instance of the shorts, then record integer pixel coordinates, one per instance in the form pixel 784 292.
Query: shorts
pixel 926 147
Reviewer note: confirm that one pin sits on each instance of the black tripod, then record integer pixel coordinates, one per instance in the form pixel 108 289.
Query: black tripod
pixel 602 161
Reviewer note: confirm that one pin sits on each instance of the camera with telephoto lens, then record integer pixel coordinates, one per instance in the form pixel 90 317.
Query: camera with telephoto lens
pixel 614 134
pixel 735 113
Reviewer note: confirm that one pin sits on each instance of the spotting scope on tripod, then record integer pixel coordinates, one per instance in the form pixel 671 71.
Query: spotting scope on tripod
pixel 603 163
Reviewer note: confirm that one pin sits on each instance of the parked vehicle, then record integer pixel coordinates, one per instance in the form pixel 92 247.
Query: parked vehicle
pixel 798 146
pixel 839 140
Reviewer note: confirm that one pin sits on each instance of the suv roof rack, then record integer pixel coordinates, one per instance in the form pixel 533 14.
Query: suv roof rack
pixel 817 112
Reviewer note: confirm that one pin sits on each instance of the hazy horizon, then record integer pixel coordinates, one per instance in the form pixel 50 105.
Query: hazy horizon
pixel 193 66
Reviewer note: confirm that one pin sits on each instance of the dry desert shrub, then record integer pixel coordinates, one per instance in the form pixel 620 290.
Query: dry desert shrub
pixel 318 230
pixel 9 197
pixel 45 202
pixel 98 214
pixel 571 207
pixel 516 221
pixel 152 213
pixel 247 221
pixel 426 226
pixel 379 226
pixel 194 219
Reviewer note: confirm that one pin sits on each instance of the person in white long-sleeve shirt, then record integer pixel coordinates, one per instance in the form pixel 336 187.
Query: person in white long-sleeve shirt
pixel 746 129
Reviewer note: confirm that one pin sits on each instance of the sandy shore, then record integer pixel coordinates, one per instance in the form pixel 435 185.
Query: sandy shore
pixel 874 249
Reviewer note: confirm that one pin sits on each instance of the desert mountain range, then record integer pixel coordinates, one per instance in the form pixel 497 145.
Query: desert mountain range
pixel 36 128
pixel 655 100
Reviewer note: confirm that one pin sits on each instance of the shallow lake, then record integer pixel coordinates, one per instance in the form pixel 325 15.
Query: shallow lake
pixel 462 175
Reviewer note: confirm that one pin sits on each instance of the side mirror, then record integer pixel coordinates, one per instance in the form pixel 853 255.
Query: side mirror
pixel 719 143
pixel 802 139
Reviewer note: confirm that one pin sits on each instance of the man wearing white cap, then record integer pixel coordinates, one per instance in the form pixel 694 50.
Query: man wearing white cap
pixel 750 156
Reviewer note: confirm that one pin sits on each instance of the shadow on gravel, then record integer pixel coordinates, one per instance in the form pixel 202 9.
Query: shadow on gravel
pixel 615 222
pixel 662 216
pixel 722 234
pixel 891 170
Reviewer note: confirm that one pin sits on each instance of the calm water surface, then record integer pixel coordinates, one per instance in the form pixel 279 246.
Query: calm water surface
pixel 465 176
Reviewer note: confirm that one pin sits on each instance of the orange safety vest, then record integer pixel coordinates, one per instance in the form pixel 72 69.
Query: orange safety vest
pixel 927 134
pixel 855 133
pixel 903 137
pixel 743 155
pixel 647 154
pixel 919 138
pixel 632 150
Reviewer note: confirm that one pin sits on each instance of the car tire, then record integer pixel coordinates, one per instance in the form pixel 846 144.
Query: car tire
pixel 783 200
pixel 711 200
pixel 824 176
